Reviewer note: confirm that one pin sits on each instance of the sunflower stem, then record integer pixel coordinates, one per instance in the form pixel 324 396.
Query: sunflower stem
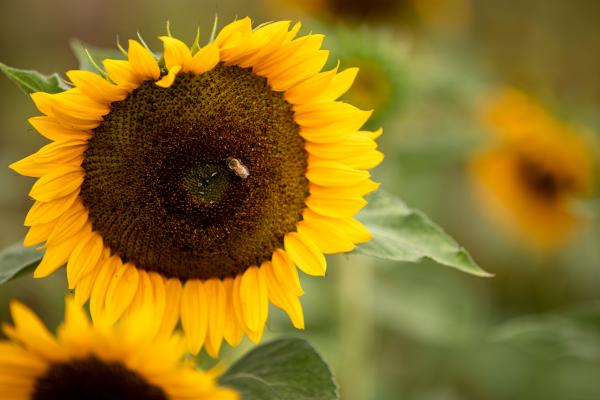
pixel 356 327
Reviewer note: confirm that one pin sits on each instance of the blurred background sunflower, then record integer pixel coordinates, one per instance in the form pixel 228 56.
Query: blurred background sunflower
pixel 431 68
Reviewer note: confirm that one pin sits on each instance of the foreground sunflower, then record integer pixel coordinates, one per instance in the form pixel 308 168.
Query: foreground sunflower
pixel 532 175
pixel 201 185
pixel 128 361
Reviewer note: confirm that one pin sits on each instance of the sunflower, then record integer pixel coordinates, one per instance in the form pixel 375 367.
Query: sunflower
pixel 381 83
pixel 202 184
pixel 536 170
pixel 130 360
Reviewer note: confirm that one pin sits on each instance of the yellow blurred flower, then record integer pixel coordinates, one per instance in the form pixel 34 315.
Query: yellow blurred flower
pixel 131 360
pixel 535 170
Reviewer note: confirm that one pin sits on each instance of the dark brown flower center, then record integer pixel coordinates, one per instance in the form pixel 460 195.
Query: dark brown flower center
pixel 198 180
pixel 92 379
pixel 541 181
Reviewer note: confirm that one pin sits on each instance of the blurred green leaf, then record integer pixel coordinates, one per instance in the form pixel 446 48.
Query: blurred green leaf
pixel 17 260
pixel 404 234
pixel 97 54
pixel 287 369
pixel 575 333
pixel 32 81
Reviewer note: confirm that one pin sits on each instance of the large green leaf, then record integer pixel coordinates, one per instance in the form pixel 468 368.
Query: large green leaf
pixel 86 53
pixel 17 260
pixel 285 369
pixel 404 234
pixel 32 81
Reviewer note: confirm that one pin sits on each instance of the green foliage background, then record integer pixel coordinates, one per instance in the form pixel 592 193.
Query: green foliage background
pixel 389 330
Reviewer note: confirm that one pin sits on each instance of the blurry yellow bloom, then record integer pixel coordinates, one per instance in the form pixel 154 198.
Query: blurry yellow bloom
pixel 128 361
pixel 533 172
pixel 355 10
pixel 200 186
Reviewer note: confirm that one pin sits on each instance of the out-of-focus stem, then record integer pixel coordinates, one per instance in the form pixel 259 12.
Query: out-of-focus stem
pixel 356 376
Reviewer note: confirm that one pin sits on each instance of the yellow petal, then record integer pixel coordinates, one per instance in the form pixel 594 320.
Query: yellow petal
pixel 356 231
pixel 122 289
pixel 55 257
pixel 333 129
pixel 167 80
pixel 72 102
pixel 75 317
pixel 243 25
pixel 32 332
pixel 194 314
pixel 84 259
pixel 107 270
pixel 96 87
pixel 264 41
pixel 173 290
pixel 142 62
pixel 334 174
pixel 366 160
pixel 176 52
pixel 286 272
pixel 50 157
pixel 14 357
pixel 361 189
pixel 69 224
pixel 310 89
pixel 305 254
pixel 282 298
pixel 50 128
pixel 215 294
pixel 159 291
pixel 73 121
pixel 41 213
pixel 121 72
pixel 353 145
pixel 233 329
pixel 314 115
pixel 254 297
pixel 304 68
pixel 38 233
pixel 83 290
pixel 287 55
pixel 374 135
pixel 335 205
pixel 204 60
pixel 339 85
pixel 326 235
pixel 144 296
pixel 58 183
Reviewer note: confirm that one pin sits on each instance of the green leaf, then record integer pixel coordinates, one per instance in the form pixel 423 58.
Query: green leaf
pixel 32 81
pixel 88 55
pixel 284 369
pixel 404 234
pixel 574 333
pixel 17 260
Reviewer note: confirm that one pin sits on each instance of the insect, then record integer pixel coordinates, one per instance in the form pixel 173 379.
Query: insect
pixel 236 166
